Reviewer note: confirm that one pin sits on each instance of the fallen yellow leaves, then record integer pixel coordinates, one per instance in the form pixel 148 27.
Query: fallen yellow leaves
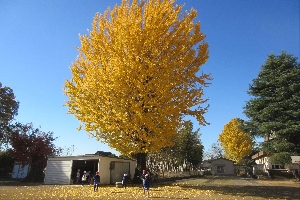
pixel 105 192
pixel 204 188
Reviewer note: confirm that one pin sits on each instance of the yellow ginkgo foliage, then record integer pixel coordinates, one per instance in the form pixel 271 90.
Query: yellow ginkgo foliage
pixel 236 143
pixel 136 75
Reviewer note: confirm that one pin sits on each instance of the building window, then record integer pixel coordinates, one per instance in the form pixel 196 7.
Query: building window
pixel 220 169
pixel 276 166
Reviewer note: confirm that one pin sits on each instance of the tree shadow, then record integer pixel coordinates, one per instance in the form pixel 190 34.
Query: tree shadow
pixel 13 182
pixel 281 192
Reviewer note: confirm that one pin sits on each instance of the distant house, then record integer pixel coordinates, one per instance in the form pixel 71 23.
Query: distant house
pixel 63 169
pixel 295 159
pixel 295 163
pixel 264 164
pixel 206 165
pixel 221 166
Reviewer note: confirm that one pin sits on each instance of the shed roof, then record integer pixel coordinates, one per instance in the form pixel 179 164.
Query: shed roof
pixel 213 160
pixel 85 157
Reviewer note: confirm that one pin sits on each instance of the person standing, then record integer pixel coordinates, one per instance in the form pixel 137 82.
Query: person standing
pixel 83 179
pixel 146 184
pixel 88 177
pixel 143 174
pixel 124 180
pixel 143 177
pixel 96 181
pixel 78 176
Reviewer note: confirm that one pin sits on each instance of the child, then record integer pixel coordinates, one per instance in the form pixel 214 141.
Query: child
pixel 96 181
pixel 143 174
pixel 88 177
pixel 124 180
pixel 83 180
pixel 146 184
pixel 78 176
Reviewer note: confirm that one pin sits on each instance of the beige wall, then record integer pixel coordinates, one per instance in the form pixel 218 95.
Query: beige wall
pixel 104 165
pixel 226 164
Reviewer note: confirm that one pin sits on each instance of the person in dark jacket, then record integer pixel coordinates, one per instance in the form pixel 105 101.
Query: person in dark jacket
pixel 96 181
pixel 146 184
pixel 124 180
pixel 143 174
pixel 88 177
pixel 78 176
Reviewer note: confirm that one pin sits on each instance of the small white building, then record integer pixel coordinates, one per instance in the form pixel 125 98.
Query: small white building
pixel 63 169
pixel 222 166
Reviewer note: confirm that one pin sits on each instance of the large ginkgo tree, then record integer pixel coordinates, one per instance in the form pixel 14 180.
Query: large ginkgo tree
pixel 137 75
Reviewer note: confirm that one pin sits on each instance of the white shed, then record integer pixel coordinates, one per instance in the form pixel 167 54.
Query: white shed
pixel 63 169
pixel 222 166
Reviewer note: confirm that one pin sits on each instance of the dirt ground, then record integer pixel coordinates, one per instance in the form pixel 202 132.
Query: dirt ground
pixel 197 188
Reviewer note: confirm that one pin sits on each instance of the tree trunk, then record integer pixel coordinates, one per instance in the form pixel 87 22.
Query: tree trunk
pixel 141 161
pixel 141 165
pixel 35 174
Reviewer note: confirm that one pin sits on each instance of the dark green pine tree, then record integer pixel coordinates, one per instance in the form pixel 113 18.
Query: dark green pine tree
pixel 274 110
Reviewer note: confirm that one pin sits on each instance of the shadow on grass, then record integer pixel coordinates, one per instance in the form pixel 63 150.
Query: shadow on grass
pixel 166 197
pixel 281 192
pixel 14 182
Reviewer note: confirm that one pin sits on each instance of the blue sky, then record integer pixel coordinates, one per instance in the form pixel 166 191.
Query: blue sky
pixel 38 40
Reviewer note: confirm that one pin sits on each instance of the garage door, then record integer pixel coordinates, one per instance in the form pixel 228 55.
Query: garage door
pixel 58 172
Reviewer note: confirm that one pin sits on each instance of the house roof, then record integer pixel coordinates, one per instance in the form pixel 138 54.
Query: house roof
pixel 103 153
pixel 212 160
pixel 260 154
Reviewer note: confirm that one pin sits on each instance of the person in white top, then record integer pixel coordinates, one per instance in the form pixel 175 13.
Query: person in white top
pixel 84 178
